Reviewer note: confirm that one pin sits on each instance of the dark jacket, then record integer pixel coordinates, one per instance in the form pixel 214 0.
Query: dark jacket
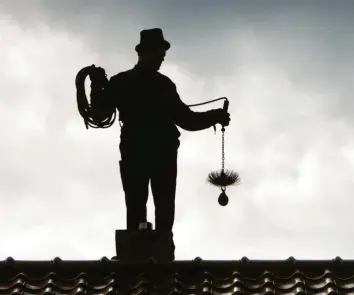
pixel 149 106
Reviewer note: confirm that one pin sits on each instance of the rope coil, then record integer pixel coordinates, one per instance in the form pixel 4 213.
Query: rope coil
pixel 84 107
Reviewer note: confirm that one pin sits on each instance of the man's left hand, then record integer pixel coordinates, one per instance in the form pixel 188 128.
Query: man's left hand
pixel 222 117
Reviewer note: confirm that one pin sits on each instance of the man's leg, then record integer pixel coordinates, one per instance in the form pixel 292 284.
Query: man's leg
pixel 135 182
pixel 163 187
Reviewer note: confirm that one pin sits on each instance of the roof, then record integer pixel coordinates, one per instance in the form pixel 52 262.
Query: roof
pixel 244 276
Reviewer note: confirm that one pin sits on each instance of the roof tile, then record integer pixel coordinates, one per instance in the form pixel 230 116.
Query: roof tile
pixel 245 276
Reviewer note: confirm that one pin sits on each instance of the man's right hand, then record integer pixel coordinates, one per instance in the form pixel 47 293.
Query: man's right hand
pixel 222 117
pixel 98 75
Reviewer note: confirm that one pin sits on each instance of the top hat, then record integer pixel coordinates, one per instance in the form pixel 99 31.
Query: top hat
pixel 152 38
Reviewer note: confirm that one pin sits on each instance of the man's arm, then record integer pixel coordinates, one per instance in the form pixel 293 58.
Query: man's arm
pixel 103 98
pixel 186 118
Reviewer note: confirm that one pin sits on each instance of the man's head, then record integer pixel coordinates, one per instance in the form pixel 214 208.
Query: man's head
pixel 152 48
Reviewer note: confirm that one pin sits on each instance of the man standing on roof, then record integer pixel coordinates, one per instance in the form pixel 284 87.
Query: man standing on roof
pixel 149 107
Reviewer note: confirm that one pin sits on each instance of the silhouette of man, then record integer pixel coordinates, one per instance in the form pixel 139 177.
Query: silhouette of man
pixel 150 108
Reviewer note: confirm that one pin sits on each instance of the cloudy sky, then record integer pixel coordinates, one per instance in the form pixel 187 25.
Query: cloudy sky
pixel 287 68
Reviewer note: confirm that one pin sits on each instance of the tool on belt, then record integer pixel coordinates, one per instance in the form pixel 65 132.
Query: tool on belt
pixel 221 178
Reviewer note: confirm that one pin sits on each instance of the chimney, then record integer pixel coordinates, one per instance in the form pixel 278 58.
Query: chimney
pixel 144 243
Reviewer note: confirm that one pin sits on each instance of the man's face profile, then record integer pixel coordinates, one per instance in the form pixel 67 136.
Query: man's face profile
pixel 153 57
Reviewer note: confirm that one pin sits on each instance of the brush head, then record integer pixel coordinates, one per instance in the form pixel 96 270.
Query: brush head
pixel 223 178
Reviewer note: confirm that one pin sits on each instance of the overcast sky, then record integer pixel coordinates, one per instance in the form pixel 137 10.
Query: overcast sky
pixel 287 68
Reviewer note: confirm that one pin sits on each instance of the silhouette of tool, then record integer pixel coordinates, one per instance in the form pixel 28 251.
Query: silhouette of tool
pixel 223 178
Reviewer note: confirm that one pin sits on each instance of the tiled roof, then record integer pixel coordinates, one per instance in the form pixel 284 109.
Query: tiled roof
pixel 243 276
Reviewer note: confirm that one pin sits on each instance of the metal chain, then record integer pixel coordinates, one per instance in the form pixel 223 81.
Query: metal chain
pixel 222 149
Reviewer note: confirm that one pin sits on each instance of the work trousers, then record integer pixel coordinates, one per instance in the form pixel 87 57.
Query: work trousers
pixel 143 162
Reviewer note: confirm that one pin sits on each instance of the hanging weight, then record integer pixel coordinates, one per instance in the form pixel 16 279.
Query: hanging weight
pixel 223 199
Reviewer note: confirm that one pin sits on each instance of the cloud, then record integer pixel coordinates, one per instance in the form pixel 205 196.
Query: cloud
pixel 290 136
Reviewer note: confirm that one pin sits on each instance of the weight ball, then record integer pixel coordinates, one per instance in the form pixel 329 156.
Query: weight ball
pixel 223 199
